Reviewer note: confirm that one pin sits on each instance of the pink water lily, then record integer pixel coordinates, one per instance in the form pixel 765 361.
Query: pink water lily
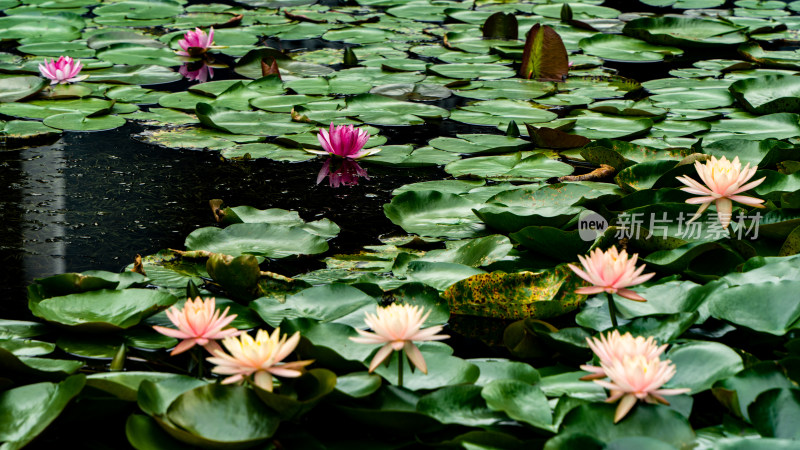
pixel 260 357
pixel 196 43
pixel 611 272
pixel 724 181
pixel 397 327
pixel 615 347
pixel 343 141
pixel 62 71
pixel 637 377
pixel 199 323
pixel 193 72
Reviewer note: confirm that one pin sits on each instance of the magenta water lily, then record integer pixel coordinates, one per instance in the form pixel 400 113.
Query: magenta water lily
pixel 344 141
pixel 62 71
pixel 196 43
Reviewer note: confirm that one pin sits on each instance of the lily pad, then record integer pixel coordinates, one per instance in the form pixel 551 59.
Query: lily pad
pixel 102 310
pixel 516 296
pixel 260 239
pixel 626 49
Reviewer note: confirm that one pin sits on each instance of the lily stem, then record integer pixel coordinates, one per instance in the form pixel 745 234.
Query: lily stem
pixel 400 359
pixel 612 311
pixel 198 358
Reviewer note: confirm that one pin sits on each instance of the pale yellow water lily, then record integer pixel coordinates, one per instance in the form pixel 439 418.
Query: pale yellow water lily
pixel 615 347
pixel 397 327
pixel 260 357
pixel 637 377
pixel 199 323
pixel 724 181
pixel 612 272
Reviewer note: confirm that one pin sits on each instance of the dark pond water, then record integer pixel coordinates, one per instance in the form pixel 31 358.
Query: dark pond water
pixel 95 200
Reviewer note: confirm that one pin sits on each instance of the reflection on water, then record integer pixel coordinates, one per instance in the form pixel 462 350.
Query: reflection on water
pixel 197 71
pixel 95 200
pixel 341 172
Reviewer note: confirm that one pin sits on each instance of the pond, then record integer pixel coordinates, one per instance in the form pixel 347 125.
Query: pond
pixel 568 207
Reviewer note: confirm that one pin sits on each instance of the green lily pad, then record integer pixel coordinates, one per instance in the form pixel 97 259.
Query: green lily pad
pixel 700 364
pixel 141 75
pixel 131 54
pixel 597 420
pixel 28 410
pixel 509 167
pixel 431 213
pixel 343 304
pixel 776 316
pixel 768 94
pixel 685 31
pixel 773 410
pixel 461 405
pixel 102 309
pixel 141 9
pixel 248 122
pixel 80 122
pixel 625 49
pixel 738 392
pixel 520 401
pixel 193 417
pixel 500 112
pixel 19 88
pixel 260 239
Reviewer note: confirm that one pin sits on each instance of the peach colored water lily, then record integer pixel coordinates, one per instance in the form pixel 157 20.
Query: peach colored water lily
pixel 343 141
pixel 615 347
pixel 62 71
pixel 196 43
pixel 199 323
pixel 724 181
pixel 637 377
pixel 611 272
pixel 397 327
pixel 260 357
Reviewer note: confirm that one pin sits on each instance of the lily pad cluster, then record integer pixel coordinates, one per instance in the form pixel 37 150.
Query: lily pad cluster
pixel 539 171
